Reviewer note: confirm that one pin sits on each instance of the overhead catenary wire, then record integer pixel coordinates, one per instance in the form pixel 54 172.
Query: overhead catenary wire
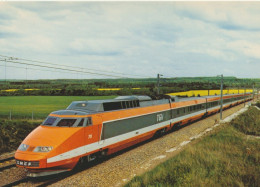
pixel 65 69
pixel 48 70
pixel 75 67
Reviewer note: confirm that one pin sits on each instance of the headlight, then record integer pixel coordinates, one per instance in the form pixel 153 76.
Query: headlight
pixel 23 147
pixel 43 149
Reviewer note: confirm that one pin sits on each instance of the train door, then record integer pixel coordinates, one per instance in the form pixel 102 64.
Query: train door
pixel 89 133
pixel 92 135
pixel 97 128
pixel 171 113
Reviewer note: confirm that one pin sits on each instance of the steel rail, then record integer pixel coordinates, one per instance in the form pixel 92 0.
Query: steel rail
pixel 6 159
pixel 7 167
pixel 15 183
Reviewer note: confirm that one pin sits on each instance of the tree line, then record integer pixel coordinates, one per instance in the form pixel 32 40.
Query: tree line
pixel 126 86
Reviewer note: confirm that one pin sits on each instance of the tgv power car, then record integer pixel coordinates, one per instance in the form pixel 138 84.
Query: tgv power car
pixel 89 129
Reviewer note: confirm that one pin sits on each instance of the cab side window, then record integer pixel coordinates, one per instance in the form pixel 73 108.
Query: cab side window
pixel 81 123
pixel 89 121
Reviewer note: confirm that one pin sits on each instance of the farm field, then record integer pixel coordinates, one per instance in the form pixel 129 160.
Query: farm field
pixel 38 107
pixel 145 86
pixel 22 107
pixel 195 93
pixel 190 93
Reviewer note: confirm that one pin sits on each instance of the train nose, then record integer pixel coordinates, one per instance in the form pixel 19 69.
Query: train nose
pixel 30 160
pixel 33 154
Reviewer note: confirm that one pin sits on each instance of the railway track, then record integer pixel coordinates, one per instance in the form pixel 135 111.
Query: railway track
pixel 7 163
pixel 7 167
pixel 6 159
pixel 15 183
pixel 49 180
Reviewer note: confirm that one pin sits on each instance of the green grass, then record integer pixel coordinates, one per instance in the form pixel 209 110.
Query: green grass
pixel 248 123
pixel 23 106
pixel 227 157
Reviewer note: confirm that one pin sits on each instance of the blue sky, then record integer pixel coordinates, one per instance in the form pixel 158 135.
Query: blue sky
pixel 176 39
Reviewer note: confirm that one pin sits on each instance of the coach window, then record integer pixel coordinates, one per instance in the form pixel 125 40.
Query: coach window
pixel 181 111
pixel 135 104
pixel 124 104
pixel 178 112
pixel 173 113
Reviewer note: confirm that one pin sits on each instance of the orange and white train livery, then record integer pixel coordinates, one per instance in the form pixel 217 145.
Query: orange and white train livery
pixel 89 129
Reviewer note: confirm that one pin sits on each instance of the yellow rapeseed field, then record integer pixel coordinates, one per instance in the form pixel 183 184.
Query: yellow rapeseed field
pixel 108 89
pixel 190 93
pixel 114 89
pixel 31 89
pixel 193 93
pixel 10 90
pixel 15 90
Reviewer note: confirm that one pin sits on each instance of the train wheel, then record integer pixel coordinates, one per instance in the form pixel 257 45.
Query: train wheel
pixel 160 132
pixel 81 163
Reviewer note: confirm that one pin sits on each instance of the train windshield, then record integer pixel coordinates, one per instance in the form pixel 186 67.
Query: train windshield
pixel 66 122
pixel 49 121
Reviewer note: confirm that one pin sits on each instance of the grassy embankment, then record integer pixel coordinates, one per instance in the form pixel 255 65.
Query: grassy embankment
pixel 227 157
pixel 22 107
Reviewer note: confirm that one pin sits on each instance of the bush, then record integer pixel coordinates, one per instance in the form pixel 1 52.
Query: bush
pixel 12 133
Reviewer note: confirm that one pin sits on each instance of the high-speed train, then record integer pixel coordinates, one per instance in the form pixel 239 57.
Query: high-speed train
pixel 87 130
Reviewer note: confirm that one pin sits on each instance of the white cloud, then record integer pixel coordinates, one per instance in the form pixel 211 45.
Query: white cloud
pixel 245 47
pixel 173 38
pixel 229 15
